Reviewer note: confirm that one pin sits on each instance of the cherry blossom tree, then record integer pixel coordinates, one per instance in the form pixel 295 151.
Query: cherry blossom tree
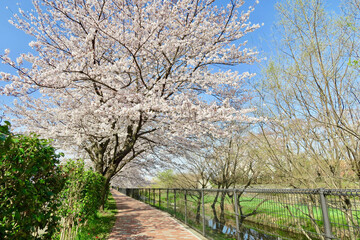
pixel 131 176
pixel 115 78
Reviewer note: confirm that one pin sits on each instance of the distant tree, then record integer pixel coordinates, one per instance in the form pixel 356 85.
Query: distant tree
pixel 220 163
pixel 229 167
pixel 116 78
pixel 165 179
pixel 131 176
pixel 193 172
pixel 312 98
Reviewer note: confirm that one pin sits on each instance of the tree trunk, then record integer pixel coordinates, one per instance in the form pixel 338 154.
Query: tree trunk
pixel 104 193
pixel 99 156
pixel 213 206
pixel 198 208
pixel 222 208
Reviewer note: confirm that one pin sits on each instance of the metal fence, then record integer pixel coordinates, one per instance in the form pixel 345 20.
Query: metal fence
pixel 261 213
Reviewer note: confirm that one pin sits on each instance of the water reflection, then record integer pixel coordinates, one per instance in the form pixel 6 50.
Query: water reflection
pixel 245 233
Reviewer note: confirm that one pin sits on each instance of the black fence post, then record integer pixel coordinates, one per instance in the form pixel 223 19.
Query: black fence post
pixel 159 198
pixel 237 216
pixel 167 198
pixel 325 214
pixel 203 211
pixel 175 202
pixel 154 196
pixel 149 196
pixel 186 221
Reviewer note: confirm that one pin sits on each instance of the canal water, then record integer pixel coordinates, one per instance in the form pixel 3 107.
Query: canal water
pixel 245 233
pixel 248 232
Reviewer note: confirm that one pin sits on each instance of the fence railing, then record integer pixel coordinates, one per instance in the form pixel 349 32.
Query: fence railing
pixel 261 213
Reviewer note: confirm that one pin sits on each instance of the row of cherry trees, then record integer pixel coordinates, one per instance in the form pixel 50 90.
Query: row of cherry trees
pixel 130 82
pixel 120 79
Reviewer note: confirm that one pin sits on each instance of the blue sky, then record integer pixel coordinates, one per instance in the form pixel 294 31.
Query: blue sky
pixel 12 38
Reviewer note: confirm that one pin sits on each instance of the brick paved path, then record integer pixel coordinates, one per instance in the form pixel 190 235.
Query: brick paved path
pixel 139 221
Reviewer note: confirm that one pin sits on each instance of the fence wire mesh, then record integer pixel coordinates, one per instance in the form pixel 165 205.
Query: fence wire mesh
pixel 260 213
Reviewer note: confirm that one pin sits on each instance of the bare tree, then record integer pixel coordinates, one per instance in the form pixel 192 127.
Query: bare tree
pixel 311 96
pixel 230 167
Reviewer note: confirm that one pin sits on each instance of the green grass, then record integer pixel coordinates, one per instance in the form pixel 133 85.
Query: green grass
pixel 100 226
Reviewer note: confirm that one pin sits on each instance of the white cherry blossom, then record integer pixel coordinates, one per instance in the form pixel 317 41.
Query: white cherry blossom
pixel 116 78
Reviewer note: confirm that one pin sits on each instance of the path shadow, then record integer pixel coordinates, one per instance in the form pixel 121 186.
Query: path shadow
pixel 127 227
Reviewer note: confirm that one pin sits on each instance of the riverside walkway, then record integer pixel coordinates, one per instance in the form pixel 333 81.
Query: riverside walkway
pixel 136 220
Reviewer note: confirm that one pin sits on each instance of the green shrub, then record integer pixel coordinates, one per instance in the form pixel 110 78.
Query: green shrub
pixel 81 197
pixel 30 181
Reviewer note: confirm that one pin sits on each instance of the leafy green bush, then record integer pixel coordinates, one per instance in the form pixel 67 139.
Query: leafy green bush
pixel 30 181
pixel 81 197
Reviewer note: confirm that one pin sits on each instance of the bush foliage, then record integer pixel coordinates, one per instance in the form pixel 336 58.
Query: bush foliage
pixel 39 197
pixel 81 197
pixel 30 183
